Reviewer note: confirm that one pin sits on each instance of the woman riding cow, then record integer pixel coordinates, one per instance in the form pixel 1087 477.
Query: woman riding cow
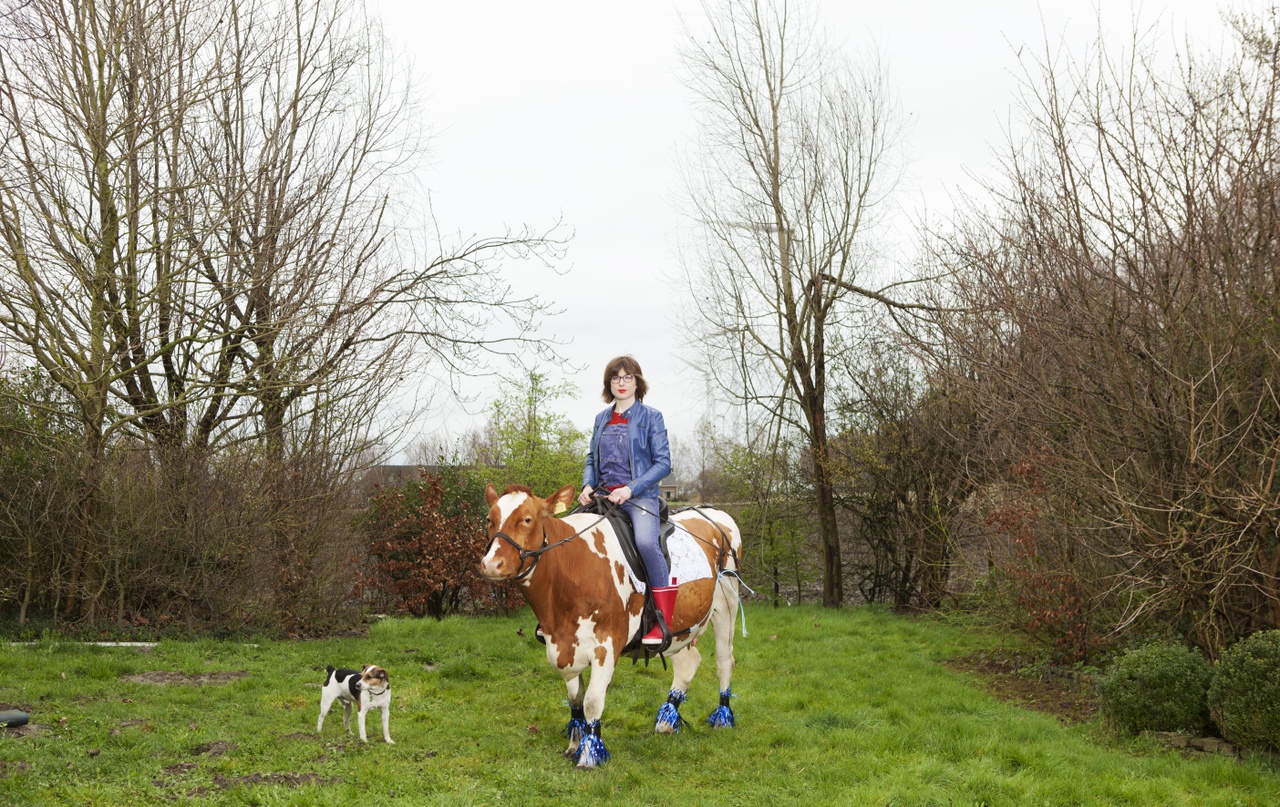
pixel 628 456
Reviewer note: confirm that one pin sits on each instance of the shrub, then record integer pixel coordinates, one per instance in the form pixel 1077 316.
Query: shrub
pixel 424 543
pixel 1244 698
pixel 1160 687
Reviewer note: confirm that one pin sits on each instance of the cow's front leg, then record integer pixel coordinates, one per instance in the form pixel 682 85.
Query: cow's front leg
pixel 592 751
pixel 577 717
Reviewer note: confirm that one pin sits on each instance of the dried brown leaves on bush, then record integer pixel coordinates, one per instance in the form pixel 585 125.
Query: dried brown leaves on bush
pixel 423 554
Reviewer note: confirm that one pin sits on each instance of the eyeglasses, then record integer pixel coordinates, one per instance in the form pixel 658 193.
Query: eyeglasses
pixel 623 379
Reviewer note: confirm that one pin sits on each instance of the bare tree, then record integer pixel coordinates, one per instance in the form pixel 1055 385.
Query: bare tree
pixel 797 159
pixel 1120 329
pixel 204 213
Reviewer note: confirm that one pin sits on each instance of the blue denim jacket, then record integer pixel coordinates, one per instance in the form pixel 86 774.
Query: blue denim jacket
pixel 647 444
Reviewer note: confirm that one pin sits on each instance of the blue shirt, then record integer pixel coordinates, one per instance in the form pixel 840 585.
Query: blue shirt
pixel 615 459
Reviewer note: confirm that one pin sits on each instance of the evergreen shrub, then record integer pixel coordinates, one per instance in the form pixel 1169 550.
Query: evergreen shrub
pixel 1244 697
pixel 1160 687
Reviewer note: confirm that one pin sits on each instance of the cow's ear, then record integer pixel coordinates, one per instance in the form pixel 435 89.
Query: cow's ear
pixel 561 499
pixel 490 494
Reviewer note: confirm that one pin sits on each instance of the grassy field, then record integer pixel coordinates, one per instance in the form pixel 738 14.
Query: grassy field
pixel 845 707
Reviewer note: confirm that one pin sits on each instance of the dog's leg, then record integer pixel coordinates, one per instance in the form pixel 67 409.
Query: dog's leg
pixel 364 710
pixel 386 724
pixel 326 701
pixel 346 716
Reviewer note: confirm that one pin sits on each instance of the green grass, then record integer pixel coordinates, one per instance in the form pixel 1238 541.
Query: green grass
pixel 844 707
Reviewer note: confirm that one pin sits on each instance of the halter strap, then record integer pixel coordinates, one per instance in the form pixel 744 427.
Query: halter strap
pixel 536 554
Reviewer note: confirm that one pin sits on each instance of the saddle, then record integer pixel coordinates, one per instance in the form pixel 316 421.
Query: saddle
pixel 627 540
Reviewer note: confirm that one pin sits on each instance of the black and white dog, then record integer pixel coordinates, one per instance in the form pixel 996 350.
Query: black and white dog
pixel 368 689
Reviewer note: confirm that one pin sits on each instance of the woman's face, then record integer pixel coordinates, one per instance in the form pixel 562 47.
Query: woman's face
pixel 623 387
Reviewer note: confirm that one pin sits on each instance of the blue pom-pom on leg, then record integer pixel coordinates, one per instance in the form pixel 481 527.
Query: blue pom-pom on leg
pixel 722 717
pixel 592 751
pixel 576 728
pixel 669 719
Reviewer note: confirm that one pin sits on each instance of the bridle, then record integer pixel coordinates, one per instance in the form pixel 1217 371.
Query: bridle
pixel 536 554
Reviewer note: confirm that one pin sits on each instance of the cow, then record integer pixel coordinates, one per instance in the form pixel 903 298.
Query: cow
pixel 589 603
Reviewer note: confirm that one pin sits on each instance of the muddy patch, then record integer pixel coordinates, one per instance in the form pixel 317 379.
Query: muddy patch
pixel 22 732
pixel 181 768
pixel 200 679
pixel 286 779
pixel 1006 678
pixel 214 749
pixel 13 768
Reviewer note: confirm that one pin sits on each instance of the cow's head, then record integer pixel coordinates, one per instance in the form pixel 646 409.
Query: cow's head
pixel 515 528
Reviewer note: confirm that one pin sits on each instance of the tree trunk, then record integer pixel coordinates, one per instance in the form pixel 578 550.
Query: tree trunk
pixel 832 568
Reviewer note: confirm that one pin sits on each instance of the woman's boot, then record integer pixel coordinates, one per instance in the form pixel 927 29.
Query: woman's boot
pixel 664 599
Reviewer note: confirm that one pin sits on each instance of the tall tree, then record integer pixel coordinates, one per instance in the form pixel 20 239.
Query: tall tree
pixel 797 159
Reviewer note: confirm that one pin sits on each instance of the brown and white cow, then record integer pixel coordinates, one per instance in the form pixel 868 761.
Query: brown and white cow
pixel 572 573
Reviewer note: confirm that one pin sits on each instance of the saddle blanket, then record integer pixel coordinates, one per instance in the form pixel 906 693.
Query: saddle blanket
pixel 688 561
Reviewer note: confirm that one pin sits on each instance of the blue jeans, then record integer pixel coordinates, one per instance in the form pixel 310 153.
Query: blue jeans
pixel 644 520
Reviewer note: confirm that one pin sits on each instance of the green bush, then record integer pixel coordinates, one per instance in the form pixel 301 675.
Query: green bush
pixel 1160 687
pixel 1244 698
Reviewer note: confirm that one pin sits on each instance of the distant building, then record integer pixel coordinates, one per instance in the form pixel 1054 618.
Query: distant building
pixel 393 476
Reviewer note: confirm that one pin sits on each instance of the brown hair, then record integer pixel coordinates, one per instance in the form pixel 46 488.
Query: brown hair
pixel 624 365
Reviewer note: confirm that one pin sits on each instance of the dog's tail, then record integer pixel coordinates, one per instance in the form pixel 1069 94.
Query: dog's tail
pixel 328 674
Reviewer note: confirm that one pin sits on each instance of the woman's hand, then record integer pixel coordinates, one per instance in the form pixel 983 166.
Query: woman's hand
pixel 620 495
pixel 584 498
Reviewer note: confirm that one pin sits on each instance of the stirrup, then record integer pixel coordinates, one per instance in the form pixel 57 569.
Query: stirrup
pixel 654 637
pixel 539 635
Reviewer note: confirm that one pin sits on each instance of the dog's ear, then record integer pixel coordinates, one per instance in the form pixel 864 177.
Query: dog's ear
pixel 365 668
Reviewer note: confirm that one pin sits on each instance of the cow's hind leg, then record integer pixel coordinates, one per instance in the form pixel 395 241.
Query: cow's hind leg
pixel 685 664
pixel 722 619
pixel 577 717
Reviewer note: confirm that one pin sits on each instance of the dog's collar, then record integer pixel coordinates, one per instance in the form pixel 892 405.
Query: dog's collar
pixel 378 692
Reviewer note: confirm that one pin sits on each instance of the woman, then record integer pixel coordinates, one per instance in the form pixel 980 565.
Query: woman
pixel 628 456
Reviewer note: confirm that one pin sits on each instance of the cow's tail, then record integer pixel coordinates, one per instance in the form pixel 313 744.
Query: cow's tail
pixel 732 589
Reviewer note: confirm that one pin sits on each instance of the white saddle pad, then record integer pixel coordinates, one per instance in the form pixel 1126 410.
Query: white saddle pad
pixel 688 561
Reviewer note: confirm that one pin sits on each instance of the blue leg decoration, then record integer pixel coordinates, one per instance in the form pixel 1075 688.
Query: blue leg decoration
pixel 574 731
pixel 592 751
pixel 669 719
pixel 722 718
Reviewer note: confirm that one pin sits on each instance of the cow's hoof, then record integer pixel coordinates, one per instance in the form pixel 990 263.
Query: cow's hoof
pixel 571 752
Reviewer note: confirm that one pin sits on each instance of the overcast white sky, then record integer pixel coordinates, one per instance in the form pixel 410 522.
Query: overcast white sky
pixel 576 109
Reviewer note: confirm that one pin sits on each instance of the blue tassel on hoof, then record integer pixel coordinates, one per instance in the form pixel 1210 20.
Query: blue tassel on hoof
pixel 577 722
pixel 669 714
pixel 574 730
pixel 592 751
pixel 722 717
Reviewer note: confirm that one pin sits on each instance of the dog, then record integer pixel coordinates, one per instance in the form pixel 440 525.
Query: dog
pixel 368 689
